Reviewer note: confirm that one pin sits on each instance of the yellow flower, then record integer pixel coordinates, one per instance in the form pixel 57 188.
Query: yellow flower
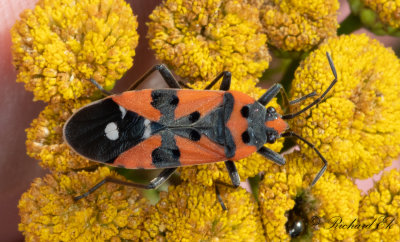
pixel 356 127
pixel 49 213
pixel 248 167
pixel 388 11
pixel 191 212
pixel 60 45
pixel 298 25
pixel 382 204
pixel 199 39
pixel 285 192
pixel 45 138
pixel 381 16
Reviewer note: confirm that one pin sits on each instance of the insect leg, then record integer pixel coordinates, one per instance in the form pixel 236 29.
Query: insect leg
pixel 303 98
pixel 226 81
pixel 160 179
pixel 233 173
pixel 107 93
pixel 275 89
pixel 165 73
pixel 217 193
pixel 272 155
pixel 278 88
pixel 184 85
pixel 271 93
pixel 321 172
pixel 319 99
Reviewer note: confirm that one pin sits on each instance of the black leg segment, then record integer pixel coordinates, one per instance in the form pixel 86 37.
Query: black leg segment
pixel 218 194
pixel 272 155
pixel 271 93
pixel 303 98
pixel 319 99
pixel 278 88
pixel 233 173
pixel 165 73
pixel 156 182
pixel 226 81
pixel 182 84
pixel 321 172
pixel 107 93
pixel 275 89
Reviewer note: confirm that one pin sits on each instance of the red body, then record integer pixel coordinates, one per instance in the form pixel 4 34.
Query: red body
pixel 146 104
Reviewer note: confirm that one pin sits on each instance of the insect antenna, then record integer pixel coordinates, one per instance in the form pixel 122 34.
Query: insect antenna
pixel 318 100
pixel 321 172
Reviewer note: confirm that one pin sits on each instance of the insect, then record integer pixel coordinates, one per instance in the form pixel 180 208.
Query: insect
pixel 170 128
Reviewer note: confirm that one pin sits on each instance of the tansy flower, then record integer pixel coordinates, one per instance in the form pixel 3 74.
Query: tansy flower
pixel 199 39
pixel 249 167
pixel 60 45
pixel 380 16
pixel 45 137
pixel 380 209
pixel 49 213
pixel 285 197
pixel 190 212
pixel 298 25
pixel 356 126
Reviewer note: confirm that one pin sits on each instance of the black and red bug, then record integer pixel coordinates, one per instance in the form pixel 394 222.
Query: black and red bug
pixel 170 128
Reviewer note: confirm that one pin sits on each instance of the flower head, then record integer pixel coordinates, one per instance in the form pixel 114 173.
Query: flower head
pixel 383 204
pixel 381 16
pixel 294 25
pixel 45 138
pixel 49 213
pixel 60 45
pixel 285 196
pixel 192 212
pixel 199 39
pixel 356 126
pixel 248 167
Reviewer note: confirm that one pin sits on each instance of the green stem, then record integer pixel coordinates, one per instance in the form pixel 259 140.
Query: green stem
pixel 288 76
pixel 349 25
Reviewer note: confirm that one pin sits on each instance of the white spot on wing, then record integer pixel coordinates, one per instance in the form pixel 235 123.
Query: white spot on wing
pixel 147 130
pixel 111 131
pixel 123 111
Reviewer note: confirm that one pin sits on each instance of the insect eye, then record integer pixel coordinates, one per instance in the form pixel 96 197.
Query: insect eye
pixel 270 114
pixel 271 110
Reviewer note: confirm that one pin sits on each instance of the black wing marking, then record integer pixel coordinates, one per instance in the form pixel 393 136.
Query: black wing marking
pixel 85 130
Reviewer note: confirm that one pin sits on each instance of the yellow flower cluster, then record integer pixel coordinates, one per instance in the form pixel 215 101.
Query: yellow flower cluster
pixel 248 167
pixel 380 209
pixel 298 25
pixel 199 39
pixel 49 213
pixel 387 10
pixel 191 212
pixel 287 187
pixel 60 45
pixel 356 126
pixel 382 17
pixel 45 138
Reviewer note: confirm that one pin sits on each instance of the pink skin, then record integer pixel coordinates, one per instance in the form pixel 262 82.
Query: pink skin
pixel 17 170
